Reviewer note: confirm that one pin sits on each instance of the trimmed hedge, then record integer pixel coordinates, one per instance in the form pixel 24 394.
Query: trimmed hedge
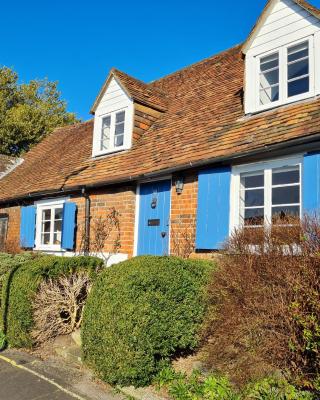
pixel 21 284
pixel 140 314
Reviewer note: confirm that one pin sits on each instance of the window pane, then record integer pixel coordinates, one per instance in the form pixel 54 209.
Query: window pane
pixel 285 177
pixel 269 62
pixel 285 211
pixel 299 86
pixel 286 195
pixel 46 215
pixel 118 140
pixel 253 181
pixel 254 198
pixel 120 116
pixel 254 216
pixel 299 51
pixel 57 238
pixel 46 226
pixel 45 238
pixel 57 226
pixel 119 129
pixel 58 213
pixel 269 78
pixel 297 69
pixel 269 95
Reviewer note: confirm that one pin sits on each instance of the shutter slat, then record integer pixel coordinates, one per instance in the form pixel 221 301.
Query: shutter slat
pixel 213 211
pixel 27 227
pixel 68 226
pixel 311 183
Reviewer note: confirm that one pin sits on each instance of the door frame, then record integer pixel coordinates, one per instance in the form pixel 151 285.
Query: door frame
pixel 137 211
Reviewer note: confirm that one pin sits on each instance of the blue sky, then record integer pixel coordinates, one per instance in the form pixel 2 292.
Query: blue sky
pixel 77 42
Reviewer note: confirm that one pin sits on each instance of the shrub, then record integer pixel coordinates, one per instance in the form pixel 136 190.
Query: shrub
pixel 141 313
pixel 21 286
pixel 215 387
pixel 275 389
pixel 266 303
pixel 7 263
pixel 58 305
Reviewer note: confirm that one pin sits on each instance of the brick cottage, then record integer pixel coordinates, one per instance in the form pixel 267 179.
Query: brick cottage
pixel 174 166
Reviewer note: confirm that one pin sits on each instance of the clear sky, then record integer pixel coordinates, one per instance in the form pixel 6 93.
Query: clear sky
pixel 77 42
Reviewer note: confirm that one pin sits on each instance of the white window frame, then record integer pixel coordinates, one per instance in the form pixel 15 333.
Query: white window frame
pixel 128 127
pixel 267 167
pixel 283 75
pixel 44 205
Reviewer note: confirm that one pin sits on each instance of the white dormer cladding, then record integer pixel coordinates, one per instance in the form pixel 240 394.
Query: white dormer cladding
pixel 113 122
pixel 282 57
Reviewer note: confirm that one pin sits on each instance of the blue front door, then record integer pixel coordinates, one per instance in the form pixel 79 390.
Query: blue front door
pixel 154 215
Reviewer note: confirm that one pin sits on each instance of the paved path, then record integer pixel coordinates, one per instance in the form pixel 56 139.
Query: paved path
pixel 26 377
pixel 19 384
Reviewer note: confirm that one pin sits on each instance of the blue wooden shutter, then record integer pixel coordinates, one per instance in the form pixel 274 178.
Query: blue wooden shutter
pixel 27 227
pixel 311 183
pixel 68 226
pixel 213 208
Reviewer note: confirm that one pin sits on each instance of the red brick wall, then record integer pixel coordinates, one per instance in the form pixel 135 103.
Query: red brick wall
pixel 13 232
pixel 123 200
pixel 183 216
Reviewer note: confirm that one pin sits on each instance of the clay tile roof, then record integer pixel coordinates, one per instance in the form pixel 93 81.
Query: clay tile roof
pixel 204 123
pixel 139 91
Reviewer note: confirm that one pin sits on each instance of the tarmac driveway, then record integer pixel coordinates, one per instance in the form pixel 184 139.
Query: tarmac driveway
pixel 19 384
pixel 26 377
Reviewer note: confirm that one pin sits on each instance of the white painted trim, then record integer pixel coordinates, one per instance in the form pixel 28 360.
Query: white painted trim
pixel 265 165
pixel 253 65
pixel 136 222
pixel 137 211
pixel 41 204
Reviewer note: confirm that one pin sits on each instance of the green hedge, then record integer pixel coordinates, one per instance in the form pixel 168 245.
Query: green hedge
pixel 21 284
pixel 7 263
pixel 140 314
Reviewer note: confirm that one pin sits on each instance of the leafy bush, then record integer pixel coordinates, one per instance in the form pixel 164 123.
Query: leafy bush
pixel 276 389
pixel 214 387
pixel 22 283
pixel 142 312
pixel 266 303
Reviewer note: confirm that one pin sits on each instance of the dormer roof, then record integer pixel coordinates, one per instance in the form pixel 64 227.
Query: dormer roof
pixel 302 3
pixel 135 89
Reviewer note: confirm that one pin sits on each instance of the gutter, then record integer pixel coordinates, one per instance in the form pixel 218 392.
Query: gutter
pixel 306 142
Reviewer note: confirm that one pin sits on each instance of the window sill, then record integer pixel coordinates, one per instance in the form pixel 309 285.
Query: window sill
pixel 278 105
pixel 109 152
pixel 49 249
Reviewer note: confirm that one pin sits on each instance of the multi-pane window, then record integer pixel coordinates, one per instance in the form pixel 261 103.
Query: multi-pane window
pixel 269 79
pixel 269 195
pixel 298 69
pixel 51 225
pixel 285 75
pixel 112 131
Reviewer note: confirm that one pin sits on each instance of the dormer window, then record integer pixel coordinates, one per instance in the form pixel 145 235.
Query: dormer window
pixel 112 131
pixel 284 75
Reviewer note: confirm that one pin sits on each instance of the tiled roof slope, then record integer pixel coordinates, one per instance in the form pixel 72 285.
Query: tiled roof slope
pixel 204 120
